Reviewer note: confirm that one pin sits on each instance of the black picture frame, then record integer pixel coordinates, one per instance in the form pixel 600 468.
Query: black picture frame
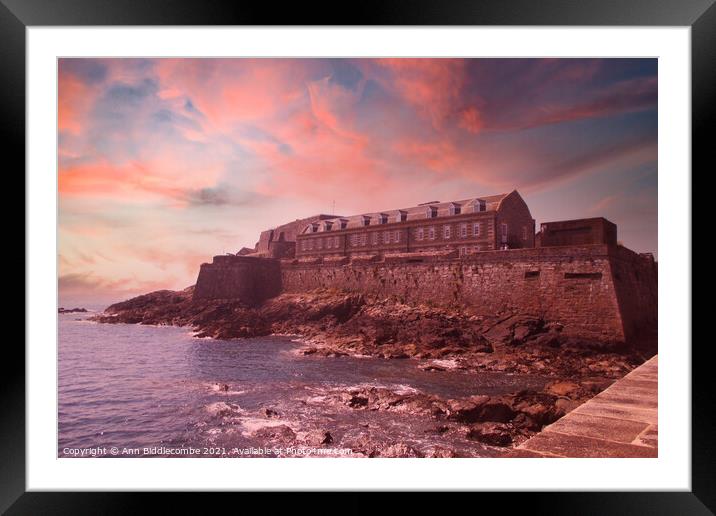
pixel 17 15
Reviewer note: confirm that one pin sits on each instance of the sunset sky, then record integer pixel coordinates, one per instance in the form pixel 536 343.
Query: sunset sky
pixel 164 163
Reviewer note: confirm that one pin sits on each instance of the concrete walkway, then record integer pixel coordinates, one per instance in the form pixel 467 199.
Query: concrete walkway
pixel 620 421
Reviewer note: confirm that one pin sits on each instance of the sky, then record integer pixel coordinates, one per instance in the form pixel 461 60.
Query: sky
pixel 164 163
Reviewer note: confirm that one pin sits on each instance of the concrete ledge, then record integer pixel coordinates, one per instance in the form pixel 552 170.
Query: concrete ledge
pixel 621 421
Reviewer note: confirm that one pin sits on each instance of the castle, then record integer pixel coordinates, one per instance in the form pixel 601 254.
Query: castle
pixel 481 255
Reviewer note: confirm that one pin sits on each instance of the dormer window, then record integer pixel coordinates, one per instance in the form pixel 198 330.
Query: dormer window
pixel 401 216
pixel 366 220
pixel 327 226
pixel 314 228
pixel 480 205
pixel 344 223
pixel 454 209
pixel 431 212
pixel 383 218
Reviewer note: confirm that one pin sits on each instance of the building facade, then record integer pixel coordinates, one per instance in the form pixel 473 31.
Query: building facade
pixel 468 226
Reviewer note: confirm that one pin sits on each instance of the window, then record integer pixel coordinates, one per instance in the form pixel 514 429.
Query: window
pixel 431 212
pixel 420 234
pixel 480 205
pixel 503 231
pixel 447 232
pixel 477 249
pixel 366 220
pixel 374 238
pixel 319 243
pixel 431 233
pixel 327 225
pixel 463 230
pixel 354 240
pixel 476 229
pixel 454 209
pixel 524 232
pixel 344 223
pixel 303 245
pixel 310 245
pixel 396 236
pixel 383 218
pixel 335 242
pixel 463 251
pixel 401 216
pixel 386 237
pixel 364 239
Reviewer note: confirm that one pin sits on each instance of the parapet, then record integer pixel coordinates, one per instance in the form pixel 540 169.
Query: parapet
pixel 247 279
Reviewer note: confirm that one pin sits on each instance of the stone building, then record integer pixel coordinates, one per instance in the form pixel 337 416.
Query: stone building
pixel 280 242
pixel 592 231
pixel 466 227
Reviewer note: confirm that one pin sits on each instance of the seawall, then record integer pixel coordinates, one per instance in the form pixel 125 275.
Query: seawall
pixel 600 292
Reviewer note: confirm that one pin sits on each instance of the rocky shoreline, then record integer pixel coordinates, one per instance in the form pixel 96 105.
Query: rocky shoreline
pixel 333 323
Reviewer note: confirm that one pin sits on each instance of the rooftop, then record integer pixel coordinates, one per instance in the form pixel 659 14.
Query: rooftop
pixel 437 209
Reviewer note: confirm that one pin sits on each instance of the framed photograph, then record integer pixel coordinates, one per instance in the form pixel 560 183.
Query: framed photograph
pixel 438 249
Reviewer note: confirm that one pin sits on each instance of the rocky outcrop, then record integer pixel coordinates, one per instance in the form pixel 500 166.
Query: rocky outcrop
pixel 493 420
pixel 333 323
pixel 71 310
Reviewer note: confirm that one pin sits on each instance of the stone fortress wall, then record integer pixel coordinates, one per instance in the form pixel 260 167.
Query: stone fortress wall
pixel 599 292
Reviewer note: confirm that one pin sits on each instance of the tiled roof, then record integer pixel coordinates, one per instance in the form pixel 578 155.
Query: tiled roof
pixel 413 213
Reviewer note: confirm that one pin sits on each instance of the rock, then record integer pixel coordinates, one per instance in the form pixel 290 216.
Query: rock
pixel 71 310
pixel 565 405
pixel 496 411
pixel 318 437
pixel 268 412
pixel 399 450
pixel 467 410
pixel 564 388
pixel 357 401
pixel 494 434
pixel 283 433
pixel 439 453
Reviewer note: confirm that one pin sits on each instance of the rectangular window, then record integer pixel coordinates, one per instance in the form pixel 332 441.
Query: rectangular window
pixel 420 234
pixel 386 237
pixel 319 243
pixel 503 231
pixel 396 236
pixel 477 249
pixel 476 229
pixel 447 232
pixel 335 242
pixel 431 233
pixel 364 239
pixel 524 232
pixel 374 238
pixel 354 240
pixel 463 230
